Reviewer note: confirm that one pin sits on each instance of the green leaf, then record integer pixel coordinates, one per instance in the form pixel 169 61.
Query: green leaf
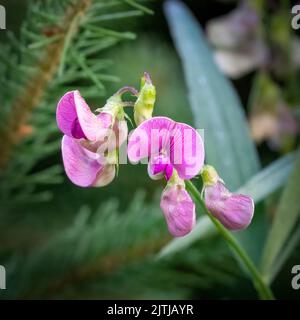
pixel 139 6
pixel 259 187
pixel 285 220
pixel 284 255
pixel 269 179
pixel 214 103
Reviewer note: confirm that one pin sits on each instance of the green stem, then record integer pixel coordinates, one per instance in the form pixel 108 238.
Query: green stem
pixel 261 287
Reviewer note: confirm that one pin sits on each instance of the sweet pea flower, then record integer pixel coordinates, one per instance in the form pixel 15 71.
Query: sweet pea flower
pixel 178 207
pixel 85 134
pixel 234 211
pixel 176 152
pixel 167 145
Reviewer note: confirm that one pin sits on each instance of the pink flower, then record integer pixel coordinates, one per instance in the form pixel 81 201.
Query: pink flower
pixel 175 151
pixel 84 135
pixel 83 167
pixel 178 209
pixel 75 119
pixel 234 211
pixel 168 145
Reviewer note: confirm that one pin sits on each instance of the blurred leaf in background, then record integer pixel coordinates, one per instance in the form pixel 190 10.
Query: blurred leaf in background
pixel 215 105
pixel 284 226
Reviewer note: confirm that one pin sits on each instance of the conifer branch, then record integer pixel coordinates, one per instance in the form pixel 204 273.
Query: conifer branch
pixel 57 51
pixel 32 94
pixel 108 265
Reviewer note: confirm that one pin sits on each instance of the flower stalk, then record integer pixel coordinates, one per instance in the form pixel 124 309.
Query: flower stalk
pixel 262 288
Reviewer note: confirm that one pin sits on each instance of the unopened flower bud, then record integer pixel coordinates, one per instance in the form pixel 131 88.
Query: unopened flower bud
pixel 234 211
pixel 178 207
pixel 144 104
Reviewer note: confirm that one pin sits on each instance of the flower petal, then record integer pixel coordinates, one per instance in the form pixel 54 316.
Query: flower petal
pixel 149 137
pixel 105 119
pixel 240 209
pixel 160 166
pixel 179 210
pixel 92 126
pixel 168 171
pixel 234 211
pixel 75 119
pixel 161 135
pixel 121 131
pixel 187 151
pixel 80 164
pixel 66 117
pixel 105 176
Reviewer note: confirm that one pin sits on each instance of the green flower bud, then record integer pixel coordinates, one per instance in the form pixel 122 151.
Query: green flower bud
pixel 209 176
pixel 144 104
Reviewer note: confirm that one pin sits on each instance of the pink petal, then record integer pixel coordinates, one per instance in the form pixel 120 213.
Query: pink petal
pixel 77 132
pixel 179 210
pixel 187 152
pixel 168 171
pixel 105 119
pixel 80 164
pixel 140 142
pixel 66 117
pixel 160 166
pixel 235 212
pixel 105 176
pixel 121 132
pixel 240 208
pixel 75 119
pixel 92 126
pixel 161 135
pixel 112 139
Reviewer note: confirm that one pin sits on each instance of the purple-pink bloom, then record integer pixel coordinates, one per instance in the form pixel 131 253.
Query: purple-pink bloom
pixel 178 209
pixel 168 145
pixel 84 135
pixel 83 167
pixel 174 151
pixel 234 211
pixel 75 119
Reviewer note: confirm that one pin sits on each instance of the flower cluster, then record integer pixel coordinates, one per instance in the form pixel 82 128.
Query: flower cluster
pixel 173 151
